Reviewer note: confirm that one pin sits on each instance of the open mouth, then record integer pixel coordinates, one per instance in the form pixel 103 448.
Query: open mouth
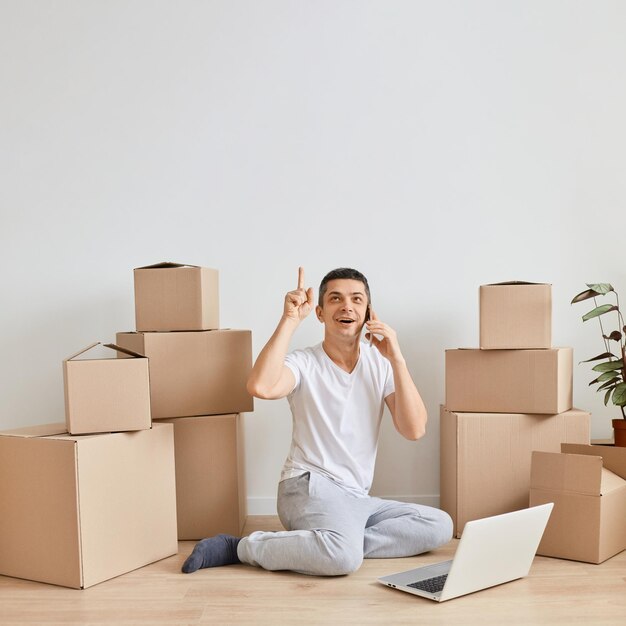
pixel 346 321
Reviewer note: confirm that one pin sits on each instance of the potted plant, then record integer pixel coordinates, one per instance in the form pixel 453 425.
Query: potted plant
pixel 611 377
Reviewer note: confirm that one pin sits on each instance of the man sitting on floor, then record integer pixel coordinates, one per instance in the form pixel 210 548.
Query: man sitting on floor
pixel 336 392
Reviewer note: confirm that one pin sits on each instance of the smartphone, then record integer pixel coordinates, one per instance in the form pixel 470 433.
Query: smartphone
pixel 367 319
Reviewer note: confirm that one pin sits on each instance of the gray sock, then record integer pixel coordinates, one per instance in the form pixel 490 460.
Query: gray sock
pixel 212 552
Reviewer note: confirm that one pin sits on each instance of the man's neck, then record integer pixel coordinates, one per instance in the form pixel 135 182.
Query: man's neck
pixel 344 354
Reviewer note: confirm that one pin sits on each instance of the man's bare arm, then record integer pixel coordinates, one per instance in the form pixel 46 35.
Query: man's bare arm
pixel 270 378
pixel 405 404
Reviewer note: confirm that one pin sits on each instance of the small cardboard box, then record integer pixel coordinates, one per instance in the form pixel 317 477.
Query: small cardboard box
pixel 172 296
pixel 588 487
pixel 196 373
pixel 210 481
pixel 515 315
pixel 78 510
pixel 509 381
pixel 485 458
pixel 106 394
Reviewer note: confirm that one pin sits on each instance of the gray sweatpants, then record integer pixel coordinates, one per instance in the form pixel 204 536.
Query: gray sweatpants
pixel 330 531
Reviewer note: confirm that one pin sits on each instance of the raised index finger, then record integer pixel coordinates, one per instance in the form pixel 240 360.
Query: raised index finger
pixel 300 278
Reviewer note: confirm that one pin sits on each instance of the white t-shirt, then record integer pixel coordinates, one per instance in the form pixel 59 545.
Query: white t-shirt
pixel 337 415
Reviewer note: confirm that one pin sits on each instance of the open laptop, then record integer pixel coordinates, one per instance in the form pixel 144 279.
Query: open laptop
pixel 492 551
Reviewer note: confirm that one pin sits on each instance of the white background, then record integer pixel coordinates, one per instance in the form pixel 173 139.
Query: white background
pixel 435 146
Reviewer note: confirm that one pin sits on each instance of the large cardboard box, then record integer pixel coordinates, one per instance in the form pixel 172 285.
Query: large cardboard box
pixel 509 381
pixel 515 315
pixel 588 487
pixel 485 458
pixel 172 296
pixel 210 481
pixel 78 510
pixel 196 373
pixel 104 393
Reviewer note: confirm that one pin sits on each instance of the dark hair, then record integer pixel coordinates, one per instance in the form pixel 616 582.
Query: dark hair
pixel 343 273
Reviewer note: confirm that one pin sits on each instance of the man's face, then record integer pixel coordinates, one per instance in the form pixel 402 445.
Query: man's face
pixel 345 307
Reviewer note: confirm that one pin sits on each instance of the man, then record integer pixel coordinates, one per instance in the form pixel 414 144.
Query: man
pixel 336 392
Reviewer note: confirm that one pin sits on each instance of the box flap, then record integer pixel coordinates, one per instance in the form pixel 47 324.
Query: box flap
pixel 41 430
pixel 614 458
pixel 568 473
pixel 111 346
pixel 128 351
pixel 164 265
pixel 610 481
pixel 512 282
pixel 89 347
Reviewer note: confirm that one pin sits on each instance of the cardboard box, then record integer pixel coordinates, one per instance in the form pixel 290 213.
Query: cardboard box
pixel 485 458
pixel 509 381
pixel 587 486
pixel 210 481
pixel 171 296
pixel 106 394
pixel 78 510
pixel 515 315
pixel 196 373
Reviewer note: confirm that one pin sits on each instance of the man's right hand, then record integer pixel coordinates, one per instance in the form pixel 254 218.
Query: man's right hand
pixel 298 303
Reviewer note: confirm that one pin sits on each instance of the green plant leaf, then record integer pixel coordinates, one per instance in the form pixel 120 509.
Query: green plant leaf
pixel 609 383
pixel 608 366
pixel 585 295
pixel 604 355
pixel 615 336
pixel 619 395
pixel 606 376
pixel 601 288
pixel 601 310
pixel 607 395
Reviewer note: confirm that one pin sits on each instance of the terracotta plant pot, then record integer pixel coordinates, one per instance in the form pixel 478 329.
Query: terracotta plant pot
pixel 619 430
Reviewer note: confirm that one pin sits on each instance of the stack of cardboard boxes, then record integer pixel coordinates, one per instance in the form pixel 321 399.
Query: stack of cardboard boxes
pixel 503 401
pixel 198 375
pixel 105 493
pixel 95 497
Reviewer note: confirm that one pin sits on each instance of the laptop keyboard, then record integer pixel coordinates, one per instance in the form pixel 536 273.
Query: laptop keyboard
pixel 431 585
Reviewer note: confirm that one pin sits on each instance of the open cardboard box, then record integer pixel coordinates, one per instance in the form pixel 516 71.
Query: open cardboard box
pixel 509 381
pixel 196 373
pixel 106 394
pixel 78 510
pixel 210 481
pixel 515 315
pixel 173 296
pixel 587 484
pixel 486 457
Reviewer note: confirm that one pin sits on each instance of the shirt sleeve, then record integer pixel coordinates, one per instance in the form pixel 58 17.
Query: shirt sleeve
pixel 390 385
pixel 292 361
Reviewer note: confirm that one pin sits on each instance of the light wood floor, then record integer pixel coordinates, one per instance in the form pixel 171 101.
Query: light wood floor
pixel 556 592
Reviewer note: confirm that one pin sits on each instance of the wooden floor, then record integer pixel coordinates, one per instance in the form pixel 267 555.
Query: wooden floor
pixel 556 592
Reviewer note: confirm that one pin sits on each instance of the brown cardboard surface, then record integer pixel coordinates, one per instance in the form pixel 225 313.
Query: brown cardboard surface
pixel 196 373
pixel 210 488
pixel 515 315
pixel 39 528
pixel 570 473
pixel 509 381
pixel 172 296
pixel 79 510
pixel 587 522
pixel 127 492
pixel 486 458
pixel 613 457
pixel 106 395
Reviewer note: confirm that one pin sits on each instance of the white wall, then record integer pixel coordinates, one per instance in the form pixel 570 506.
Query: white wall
pixel 434 146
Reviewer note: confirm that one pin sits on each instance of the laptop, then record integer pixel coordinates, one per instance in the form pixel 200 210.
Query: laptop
pixel 492 551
